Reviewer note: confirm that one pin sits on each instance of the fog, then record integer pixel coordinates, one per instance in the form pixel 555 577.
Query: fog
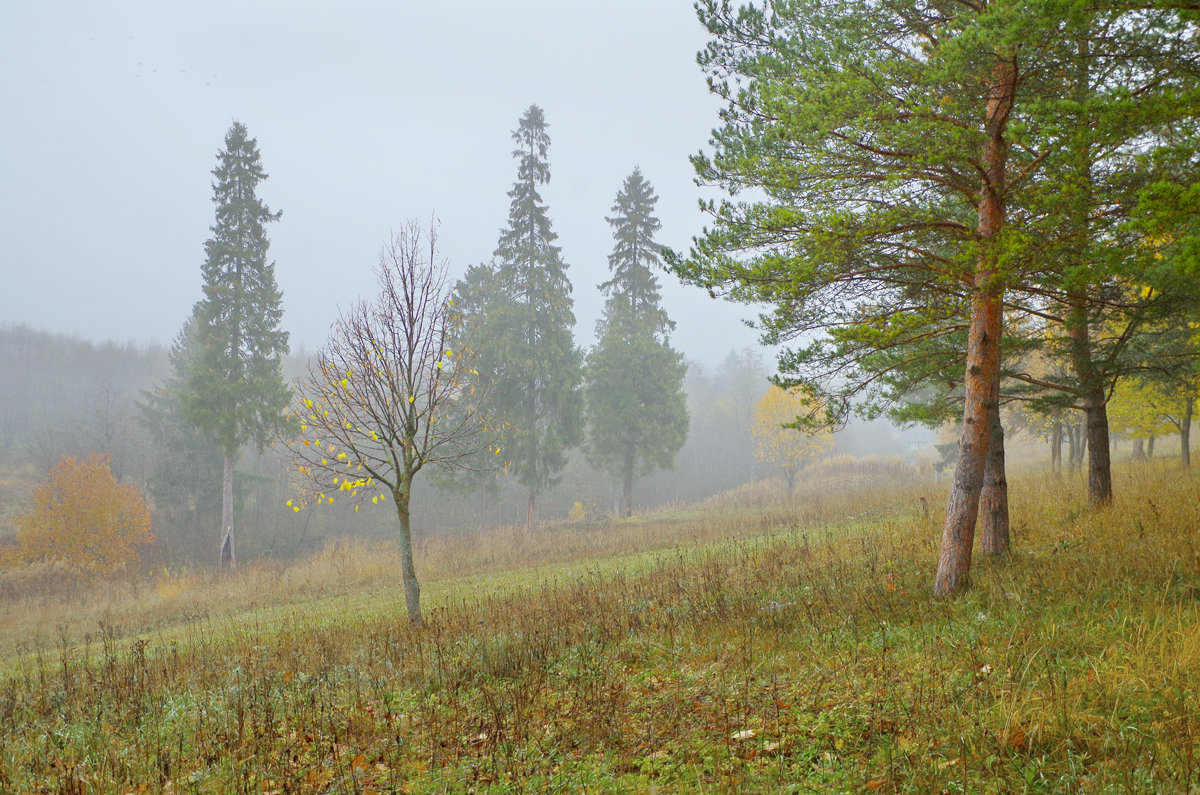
pixel 367 115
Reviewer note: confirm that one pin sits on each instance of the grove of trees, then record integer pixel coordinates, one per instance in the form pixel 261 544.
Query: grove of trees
pixel 924 181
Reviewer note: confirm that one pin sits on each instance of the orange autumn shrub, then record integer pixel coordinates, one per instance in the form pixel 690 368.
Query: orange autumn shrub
pixel 83 517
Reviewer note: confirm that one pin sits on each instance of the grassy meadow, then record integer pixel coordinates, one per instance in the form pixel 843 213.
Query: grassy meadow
pixel 748 644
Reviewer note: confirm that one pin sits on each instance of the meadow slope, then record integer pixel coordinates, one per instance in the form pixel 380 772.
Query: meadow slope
pixel 744 645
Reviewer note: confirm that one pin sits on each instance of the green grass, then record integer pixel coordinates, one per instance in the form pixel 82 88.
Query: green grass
pixel 765 655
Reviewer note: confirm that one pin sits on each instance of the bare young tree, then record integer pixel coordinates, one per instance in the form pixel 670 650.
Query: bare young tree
pixel 388 396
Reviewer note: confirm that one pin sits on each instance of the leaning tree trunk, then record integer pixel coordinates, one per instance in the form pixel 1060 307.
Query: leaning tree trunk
pixel 1185 434
pixel 983 357
pixel 982 378
pixel 995 538
pixel 227 558
pixel 408 572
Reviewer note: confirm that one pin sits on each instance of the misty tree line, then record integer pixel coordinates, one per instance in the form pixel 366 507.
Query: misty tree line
pixel 74 397
pixel 612 414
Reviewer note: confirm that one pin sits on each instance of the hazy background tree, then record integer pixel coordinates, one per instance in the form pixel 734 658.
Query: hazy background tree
pixel 779 444
pixel 387 397
pixel 636 408
pixel 184 466
pixel 525 335
pixel 235 392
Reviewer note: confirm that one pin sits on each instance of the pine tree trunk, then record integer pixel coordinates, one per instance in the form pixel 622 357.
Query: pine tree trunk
pixel 1072 448
pixel 958 533
pixel 228 558
pixel 982 378
pixel 1056 437
pixel 408 571
pixel 995 539
pixel 531 511
pixel 1185 434
pixel 1099 461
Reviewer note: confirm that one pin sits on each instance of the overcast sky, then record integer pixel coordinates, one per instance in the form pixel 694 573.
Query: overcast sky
pixel 366 114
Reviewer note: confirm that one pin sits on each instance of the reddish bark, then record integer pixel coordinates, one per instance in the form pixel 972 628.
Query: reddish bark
pixel 983 345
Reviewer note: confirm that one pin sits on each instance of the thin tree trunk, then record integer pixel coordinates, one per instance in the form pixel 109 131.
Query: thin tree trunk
pixel 1185 434
pixel 228 558
pixel 1056 437
pixel 1072 448
pixel 791 481
pixel 995 538
pixel 408 571
pixel 982 378
pixel 627 494
pixel 1150 447
pixel 627 483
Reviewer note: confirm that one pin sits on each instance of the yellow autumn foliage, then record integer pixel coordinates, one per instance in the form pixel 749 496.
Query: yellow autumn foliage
pixel 83 517
pixel 785 450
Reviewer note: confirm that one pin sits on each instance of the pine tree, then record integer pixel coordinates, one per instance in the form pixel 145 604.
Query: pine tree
pixel 530 350
pixel 637 411
pixel 235 390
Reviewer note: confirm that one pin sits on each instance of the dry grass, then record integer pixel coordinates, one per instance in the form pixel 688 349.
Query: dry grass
pixel 787 656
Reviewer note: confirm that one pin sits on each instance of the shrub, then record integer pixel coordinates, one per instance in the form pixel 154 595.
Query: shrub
pixel 83 517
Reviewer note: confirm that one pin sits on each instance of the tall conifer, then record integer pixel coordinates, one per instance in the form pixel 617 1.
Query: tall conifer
pixel 637 412
pixel 530 345
pixel 235 390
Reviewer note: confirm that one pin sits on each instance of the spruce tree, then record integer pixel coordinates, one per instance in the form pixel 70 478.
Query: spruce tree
pixel 530 345
pixel 637 411
pixel 235 391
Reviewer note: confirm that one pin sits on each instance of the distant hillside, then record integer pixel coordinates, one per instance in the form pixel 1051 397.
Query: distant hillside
pixel 63 394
